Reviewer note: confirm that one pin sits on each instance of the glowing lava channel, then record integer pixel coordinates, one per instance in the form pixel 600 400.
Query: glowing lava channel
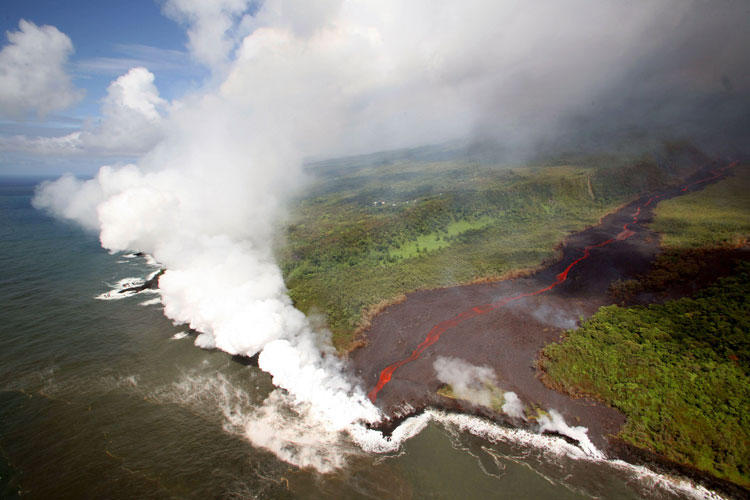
pixel 437 330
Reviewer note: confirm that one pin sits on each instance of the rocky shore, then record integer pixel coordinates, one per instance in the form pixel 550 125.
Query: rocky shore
pixel 507 339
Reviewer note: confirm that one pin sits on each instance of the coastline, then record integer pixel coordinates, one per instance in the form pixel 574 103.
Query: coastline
pixel 508 339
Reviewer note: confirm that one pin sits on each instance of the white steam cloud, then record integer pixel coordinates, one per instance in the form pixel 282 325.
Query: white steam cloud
pixel 212 27
pixel 469 382
pixel 554 422
pixel 204 203
pixel 513 406
pixel 325 79
pixel 477 384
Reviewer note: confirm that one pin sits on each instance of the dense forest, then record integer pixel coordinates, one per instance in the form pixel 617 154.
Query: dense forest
pixel 373 228
pixel 680 371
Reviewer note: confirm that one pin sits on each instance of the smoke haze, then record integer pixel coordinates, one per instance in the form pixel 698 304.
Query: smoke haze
pixel 336 77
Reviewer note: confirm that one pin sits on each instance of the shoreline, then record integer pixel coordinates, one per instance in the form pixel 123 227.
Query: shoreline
pixel 508 339
pixel 618 450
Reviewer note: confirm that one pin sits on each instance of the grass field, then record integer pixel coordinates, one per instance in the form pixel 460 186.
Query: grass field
pixel 371 229
pixel 717 215
pixel 679 371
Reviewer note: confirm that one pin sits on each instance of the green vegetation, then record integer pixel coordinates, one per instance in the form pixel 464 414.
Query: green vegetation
pixel 673 268
pixel 694 227
pixel 373 228
pixel 679 371
pixel 434 241
pixel 716 215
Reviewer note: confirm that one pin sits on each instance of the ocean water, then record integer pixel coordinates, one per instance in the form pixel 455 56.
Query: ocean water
pixel 109 399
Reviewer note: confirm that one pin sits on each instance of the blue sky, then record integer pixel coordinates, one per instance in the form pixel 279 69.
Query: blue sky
pixel 105 33
pixel 109 38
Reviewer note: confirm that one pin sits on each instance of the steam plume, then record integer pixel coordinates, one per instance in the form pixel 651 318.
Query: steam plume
pixel 352 76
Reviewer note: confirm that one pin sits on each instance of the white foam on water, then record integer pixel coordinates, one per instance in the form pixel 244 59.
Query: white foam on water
pixel 151 302
pixel 495 433
pixel 153 274
pixel 556 446
pixel 128 283
pixel 117 293
pixel 296 433
pixel 148 258
pixel 150 261
pixel 554 422
pixel 673 484
pixel 376 442
pixel 301 435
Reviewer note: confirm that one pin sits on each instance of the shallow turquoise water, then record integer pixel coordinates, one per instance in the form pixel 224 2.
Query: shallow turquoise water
pixel 97 400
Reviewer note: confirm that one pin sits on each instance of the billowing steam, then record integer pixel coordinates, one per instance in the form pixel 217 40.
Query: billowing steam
pixel 198 205
pixel 513 406
pixel 554 422
pixel 478 385
pixel 336 77
pixel 467 381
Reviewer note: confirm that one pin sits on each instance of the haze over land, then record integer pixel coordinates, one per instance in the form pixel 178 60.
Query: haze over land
pixel 294 81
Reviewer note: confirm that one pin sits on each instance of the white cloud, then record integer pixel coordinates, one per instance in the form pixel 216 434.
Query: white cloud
pixel 133 94
pixel 32 72
pixel 131 115
pixel 133 55
pixel 131 123
pixel 59 145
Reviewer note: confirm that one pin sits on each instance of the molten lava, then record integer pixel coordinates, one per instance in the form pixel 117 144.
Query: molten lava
pixel 437 330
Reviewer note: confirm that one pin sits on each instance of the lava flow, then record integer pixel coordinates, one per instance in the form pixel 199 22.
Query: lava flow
pixel 437 330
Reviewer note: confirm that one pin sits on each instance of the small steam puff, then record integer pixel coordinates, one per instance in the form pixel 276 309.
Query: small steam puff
pixel 554 422
pixel 563 319
pixel 477 384
pixel 513 406
pixel 469 382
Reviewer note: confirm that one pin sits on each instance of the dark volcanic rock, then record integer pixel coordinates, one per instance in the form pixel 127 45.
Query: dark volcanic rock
pixel 150 284
pixel 509 338
pixel 246 360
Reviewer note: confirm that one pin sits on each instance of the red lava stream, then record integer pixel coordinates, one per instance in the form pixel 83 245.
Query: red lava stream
pixel 437 330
